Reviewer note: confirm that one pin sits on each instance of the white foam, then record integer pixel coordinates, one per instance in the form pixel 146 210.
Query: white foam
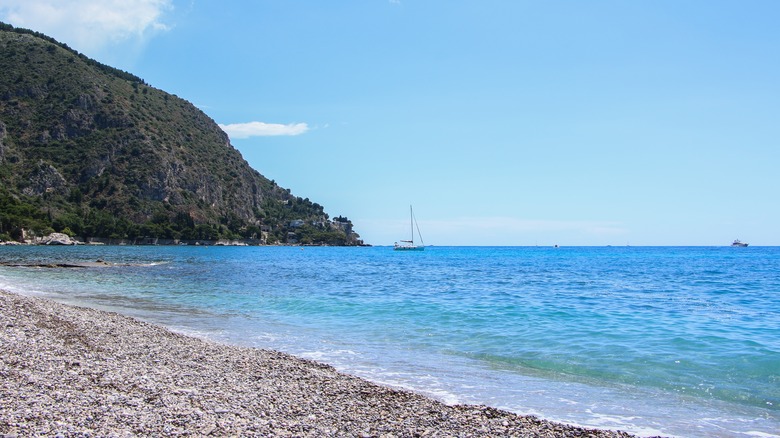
pixel 762 434
pixel 325 356
pixel 21 289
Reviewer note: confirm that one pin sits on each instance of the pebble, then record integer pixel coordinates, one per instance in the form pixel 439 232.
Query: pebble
pixel 73 371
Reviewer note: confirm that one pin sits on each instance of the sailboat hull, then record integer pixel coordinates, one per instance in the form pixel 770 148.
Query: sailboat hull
pixel 408 248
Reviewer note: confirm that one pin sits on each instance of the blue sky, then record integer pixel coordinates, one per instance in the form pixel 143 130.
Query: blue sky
pixel 503 122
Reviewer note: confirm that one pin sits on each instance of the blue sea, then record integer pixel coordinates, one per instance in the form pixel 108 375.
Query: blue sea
pixel 678 341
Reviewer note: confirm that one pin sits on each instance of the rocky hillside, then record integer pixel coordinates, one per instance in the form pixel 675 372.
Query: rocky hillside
pixel 90 150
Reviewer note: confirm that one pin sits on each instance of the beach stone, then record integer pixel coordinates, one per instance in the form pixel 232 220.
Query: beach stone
pixel 74 371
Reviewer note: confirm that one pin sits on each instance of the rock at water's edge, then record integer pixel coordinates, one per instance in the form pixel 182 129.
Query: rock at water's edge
pixel 57 239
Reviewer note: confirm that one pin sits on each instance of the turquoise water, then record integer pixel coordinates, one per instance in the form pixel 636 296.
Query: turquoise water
pixel 674 341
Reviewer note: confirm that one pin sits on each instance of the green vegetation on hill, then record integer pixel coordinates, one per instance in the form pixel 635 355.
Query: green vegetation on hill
pixel 93 151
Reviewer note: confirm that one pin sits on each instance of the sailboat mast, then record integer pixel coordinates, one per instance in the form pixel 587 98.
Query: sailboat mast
pixel 411 222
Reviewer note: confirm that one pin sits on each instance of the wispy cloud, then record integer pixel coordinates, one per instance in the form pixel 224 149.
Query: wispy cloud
pixel 260 129
pixel 89 25
pixel 518 226
pixel 514 224
pixel 497 231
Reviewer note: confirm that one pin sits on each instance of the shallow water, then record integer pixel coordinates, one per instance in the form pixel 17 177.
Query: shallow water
pixel 677 341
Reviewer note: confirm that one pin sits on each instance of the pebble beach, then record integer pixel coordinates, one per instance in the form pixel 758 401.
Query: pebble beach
pixel 73 371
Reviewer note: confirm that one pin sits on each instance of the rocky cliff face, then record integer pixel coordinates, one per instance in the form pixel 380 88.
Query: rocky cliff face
pixel 2 146
pixel 88 137
pixel 44 178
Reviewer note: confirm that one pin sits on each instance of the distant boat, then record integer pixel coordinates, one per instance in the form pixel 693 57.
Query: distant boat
pixel 408 245
pixel 738 244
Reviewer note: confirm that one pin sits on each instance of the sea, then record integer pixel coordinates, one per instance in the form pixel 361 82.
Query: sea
pixel 673 341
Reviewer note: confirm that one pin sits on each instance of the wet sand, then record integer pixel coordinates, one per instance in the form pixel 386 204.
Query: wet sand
pixel 74 371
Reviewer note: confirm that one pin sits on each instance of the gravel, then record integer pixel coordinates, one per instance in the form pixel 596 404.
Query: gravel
pixel 73 371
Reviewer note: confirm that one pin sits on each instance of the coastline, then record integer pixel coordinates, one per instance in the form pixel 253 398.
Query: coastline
pixel 79 371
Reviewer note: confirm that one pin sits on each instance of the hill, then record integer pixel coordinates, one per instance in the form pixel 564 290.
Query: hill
pixel 92 151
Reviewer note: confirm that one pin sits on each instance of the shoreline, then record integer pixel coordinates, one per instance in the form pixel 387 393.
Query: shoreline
pixel 79 371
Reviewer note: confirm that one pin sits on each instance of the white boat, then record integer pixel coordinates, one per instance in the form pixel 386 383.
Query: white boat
pixel 738 244
pixel 408 245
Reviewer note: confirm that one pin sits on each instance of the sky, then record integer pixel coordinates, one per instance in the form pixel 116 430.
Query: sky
pixel 503 122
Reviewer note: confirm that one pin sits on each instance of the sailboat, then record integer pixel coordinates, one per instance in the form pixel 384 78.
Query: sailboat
pixel 408 245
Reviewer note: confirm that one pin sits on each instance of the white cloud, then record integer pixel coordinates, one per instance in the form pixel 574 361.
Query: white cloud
pixel 89 25
pixel 260 129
